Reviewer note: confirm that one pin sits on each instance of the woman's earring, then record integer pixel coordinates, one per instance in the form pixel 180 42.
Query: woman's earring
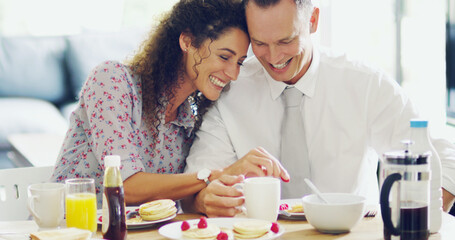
pixel 186 50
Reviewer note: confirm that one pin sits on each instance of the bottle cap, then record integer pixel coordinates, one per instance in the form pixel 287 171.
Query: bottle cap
pixel 419 123
pixel 112 161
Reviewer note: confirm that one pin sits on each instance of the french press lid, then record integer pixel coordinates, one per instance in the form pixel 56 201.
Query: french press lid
pixel 404 157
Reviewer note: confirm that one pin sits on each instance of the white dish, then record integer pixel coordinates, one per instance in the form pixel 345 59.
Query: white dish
pixel 143 224
pixel 173 230
pixel 341 214
pixel 294 216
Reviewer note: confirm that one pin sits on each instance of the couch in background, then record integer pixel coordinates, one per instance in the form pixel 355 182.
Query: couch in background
pixel 40 77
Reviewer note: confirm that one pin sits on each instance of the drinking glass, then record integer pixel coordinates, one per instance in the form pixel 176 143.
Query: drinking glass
pixel 81 203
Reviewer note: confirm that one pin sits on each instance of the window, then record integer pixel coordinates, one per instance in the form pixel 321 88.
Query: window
pixel 450 61
pixel 403 37
pixel 65 17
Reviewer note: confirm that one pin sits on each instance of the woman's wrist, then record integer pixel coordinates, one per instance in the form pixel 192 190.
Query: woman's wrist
pixel 215 174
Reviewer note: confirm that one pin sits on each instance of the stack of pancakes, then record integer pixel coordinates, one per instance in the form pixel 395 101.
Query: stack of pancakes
pixel 251 229
pixel 210 232
pixel 158 209
pixel 298 208
pixel 64 233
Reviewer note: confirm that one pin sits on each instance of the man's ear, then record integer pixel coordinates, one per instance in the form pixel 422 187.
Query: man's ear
pixel 185 41
pixel 314 20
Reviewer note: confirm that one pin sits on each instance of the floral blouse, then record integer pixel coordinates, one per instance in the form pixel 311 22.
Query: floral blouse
pixel 109 121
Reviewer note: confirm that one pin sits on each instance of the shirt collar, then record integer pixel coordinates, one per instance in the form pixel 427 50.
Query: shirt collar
pixel 306 84
pixel 185 118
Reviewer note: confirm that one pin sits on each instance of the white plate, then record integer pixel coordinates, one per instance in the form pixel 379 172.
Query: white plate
pixel 173 230
pixel 294 216
pixel 143 224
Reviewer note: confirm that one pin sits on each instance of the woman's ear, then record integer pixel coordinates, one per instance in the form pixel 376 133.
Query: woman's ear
pixel 185 41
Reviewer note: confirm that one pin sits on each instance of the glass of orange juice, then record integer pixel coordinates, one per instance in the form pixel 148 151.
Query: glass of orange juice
pixel 81 203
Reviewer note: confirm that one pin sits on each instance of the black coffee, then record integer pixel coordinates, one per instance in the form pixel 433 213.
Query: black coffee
pixel 413 224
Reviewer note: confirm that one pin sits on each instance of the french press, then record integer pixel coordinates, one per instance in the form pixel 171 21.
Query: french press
pixel 405 195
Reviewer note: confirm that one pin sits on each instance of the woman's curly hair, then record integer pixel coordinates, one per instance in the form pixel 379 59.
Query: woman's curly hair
pixel 159 62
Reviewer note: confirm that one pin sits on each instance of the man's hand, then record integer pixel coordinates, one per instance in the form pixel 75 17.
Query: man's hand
pixel 447 200
pixel 220 198
pixel 258 162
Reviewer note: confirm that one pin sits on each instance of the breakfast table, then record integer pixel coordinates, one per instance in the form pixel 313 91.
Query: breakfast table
pixel 368 228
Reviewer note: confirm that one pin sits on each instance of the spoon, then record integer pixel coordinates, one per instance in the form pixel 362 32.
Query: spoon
pixel 315 190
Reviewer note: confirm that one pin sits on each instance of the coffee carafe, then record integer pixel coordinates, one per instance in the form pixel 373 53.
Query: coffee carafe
pixel 405 195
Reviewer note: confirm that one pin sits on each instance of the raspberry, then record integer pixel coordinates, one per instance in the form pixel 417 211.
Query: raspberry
pixel 185 226
pixel 284 206
pixel 222 236
pixel 275 228
pixel 100 219
pixel 202 223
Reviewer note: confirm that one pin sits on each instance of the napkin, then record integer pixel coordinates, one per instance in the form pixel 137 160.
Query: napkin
pixel 64 233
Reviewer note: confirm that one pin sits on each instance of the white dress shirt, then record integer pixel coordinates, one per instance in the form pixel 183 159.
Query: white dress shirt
pixel 352 114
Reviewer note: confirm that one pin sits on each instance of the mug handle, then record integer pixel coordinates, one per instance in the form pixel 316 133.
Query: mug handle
pixel 31 206
pixel 384 201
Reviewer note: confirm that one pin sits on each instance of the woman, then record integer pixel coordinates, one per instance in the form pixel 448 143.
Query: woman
pixel 148 110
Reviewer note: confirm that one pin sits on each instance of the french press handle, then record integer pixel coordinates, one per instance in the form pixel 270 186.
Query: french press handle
pixel 384 200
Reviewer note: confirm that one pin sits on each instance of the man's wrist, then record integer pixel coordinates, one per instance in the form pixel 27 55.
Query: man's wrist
pixel 199 202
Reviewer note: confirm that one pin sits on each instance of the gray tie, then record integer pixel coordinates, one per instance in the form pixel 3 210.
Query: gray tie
pixel 294 150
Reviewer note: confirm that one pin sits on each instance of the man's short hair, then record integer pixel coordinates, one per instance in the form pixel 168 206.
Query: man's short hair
pixel 268 3
pixel 305 5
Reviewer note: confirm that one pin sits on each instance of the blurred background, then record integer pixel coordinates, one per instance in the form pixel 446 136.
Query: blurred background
pixel 412 40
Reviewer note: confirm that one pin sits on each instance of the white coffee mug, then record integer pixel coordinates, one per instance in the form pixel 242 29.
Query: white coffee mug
pixel 46 203
pixel 262 197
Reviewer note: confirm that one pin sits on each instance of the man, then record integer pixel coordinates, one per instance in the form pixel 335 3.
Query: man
pixel 351 114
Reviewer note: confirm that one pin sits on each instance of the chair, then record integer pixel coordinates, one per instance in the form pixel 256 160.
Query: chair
pixel 13 190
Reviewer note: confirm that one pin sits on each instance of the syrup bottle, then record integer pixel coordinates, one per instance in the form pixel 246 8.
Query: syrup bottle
pixel 422 144
pixel 114 218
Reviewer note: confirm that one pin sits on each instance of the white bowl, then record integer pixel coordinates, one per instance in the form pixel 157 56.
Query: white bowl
pixel 342 213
